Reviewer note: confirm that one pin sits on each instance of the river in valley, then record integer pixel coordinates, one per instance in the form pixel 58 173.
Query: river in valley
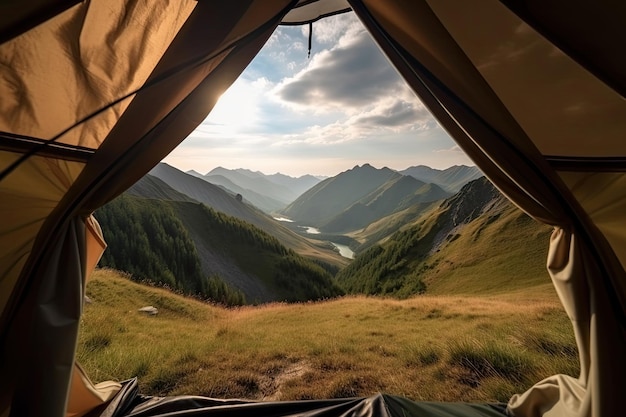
pixel 344 250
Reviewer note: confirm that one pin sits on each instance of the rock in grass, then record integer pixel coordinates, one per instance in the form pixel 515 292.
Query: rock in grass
pixel 149 310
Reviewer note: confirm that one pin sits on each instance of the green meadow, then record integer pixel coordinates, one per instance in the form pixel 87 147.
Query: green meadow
pixel 430 347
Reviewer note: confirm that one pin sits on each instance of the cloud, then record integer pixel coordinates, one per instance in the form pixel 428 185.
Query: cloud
pixel 452 150
pixel 352 74
pixel 400 113
pixel 346 105
pixel 330 30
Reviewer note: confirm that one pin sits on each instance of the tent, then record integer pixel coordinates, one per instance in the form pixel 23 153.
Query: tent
pixel 95 93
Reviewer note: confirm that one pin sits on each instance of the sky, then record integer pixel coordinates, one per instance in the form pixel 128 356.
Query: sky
pixel 344 106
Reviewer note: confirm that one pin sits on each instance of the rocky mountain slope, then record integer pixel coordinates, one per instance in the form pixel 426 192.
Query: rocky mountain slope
pixel 473 241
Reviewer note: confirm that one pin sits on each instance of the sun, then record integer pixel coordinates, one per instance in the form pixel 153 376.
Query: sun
pixel 236 110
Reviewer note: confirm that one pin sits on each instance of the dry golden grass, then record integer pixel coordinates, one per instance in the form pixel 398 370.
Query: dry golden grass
pixel 426 348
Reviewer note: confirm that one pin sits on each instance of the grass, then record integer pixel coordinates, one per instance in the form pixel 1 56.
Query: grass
pixel 495 263
pixel 452 348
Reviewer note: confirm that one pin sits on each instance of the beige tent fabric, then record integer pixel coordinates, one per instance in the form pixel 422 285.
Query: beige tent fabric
pixel 599 335
pixel 559 104
pixel 307 11
pixel 85 396
pixel 16 18
pixel 80 62
pixel 28 197
pixel 437 46
pixel 177 95
pixel 54 76
pixel 129 80
pixel 603 196
pixel 48 316
pixel 590 32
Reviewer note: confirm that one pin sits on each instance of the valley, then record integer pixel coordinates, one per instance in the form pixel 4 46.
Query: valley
pixel 396 286
pixel 367 230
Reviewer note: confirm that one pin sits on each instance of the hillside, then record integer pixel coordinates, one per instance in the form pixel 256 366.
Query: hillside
pixel 152 187
pixel 216 198
pixel 395 195
pixel 251 260
pixel 207 193
pixel 357 197
pixel 379 231
pixel 469 244
pixel 189 246
pixel 451 179
pixel 427 348
pixel 147 240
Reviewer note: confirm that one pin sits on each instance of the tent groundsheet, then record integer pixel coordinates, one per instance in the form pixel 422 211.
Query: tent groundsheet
pixel 131 404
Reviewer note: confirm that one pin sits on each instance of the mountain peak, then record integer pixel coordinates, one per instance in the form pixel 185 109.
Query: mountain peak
pixel 194 173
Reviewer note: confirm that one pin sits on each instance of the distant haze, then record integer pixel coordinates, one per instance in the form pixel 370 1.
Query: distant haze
pixel 344 106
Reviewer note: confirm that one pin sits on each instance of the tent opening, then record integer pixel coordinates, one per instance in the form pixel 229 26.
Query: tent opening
pixel 95 94
pixel 345 113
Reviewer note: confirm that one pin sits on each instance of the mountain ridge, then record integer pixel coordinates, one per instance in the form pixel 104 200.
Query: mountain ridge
pixel 357 197
pixel 451 179
pixel 190 247
pixel 217 198
pixel 403 237
pixel 277 187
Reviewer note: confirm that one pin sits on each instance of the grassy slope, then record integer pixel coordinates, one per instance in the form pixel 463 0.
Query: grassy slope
pixel 426 348
pixel 501 250
pixel 380 230
pixel 509 255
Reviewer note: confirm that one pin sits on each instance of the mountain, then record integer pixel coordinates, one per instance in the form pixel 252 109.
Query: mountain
pixel 357 197
pixel 468 244
pixel 381 229
pixel 218 199
pixel 152 187
pixel 278 187
pixel 259 200
pixel 147 240
pixel 450 179
pixel 192 248
pixel 297 185
pixel 194 173
pixel 204 192
pixel 332 196
pixel 252 261
pixel 393 196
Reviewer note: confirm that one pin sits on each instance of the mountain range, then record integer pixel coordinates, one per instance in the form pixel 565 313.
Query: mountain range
pixel 410 236
pixel 233 242
pixel 451 179
pixel 359 196
pixel 270 193
pixel 223 201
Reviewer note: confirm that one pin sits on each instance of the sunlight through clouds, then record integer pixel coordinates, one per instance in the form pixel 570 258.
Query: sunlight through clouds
pixel 346 105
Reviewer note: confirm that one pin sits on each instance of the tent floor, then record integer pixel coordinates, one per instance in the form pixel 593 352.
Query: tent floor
pixel 129 403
